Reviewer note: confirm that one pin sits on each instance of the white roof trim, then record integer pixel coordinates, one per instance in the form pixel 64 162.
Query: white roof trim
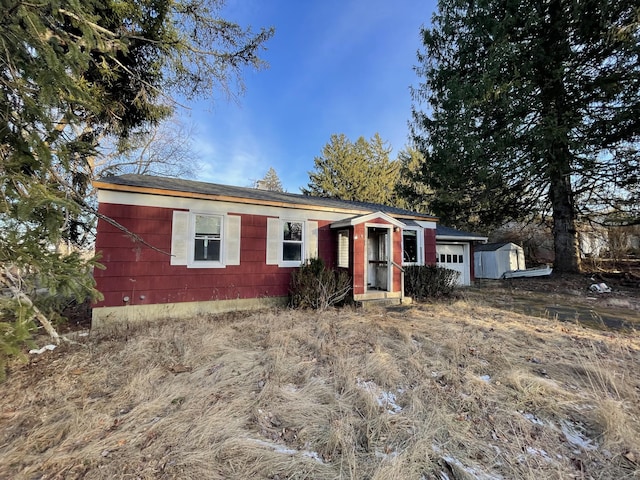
pixel 349 222
pixel 460 238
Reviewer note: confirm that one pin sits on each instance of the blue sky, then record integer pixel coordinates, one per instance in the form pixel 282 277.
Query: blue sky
pixel 336 66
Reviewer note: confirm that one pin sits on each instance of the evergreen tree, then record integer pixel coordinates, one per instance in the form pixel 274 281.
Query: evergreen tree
pixel 270 182
pixel 534 108
pixel 72 73
pixel 411 193
pixel 360 171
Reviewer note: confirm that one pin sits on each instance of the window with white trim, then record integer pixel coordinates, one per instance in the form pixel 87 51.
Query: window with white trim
pixel 292 241
pixel 343 249
pixel 412 246
pixel 203 240
pixel 207 238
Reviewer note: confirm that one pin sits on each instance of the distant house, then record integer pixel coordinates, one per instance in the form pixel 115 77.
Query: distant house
pixel 199 248
pixel 492 260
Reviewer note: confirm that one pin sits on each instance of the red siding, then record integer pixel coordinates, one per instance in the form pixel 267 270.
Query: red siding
pixel 327 244
pixel 145 276
pixel 430 246
pixel 397 258
pixel 359 256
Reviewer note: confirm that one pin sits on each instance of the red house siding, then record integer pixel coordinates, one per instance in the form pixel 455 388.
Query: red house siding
pixel 327 244
pixel 136 274
pixel 429 246
pixel 359 254
pixel 397 259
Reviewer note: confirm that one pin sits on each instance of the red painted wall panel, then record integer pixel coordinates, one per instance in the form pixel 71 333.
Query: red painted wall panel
pixel 145 276
pixel 359 255
pixel 397 258
pixel 429 246
pixel 327 243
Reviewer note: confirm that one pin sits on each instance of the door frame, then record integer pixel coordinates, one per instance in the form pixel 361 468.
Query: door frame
pixel 389 255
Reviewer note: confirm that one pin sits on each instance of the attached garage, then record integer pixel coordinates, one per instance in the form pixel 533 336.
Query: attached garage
pixel 454 250
pixel 454 257
pixel 492 260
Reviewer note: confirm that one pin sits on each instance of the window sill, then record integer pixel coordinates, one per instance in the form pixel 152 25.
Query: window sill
pixel 206 265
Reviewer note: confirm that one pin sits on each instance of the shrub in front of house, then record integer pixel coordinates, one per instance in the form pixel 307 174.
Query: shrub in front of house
pixel 315 286
pixel 429 281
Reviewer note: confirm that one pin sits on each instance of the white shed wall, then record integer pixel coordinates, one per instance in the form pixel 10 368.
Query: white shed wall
pixel 493 264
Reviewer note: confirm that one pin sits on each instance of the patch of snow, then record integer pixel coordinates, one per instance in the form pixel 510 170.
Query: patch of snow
pixel 288 451
pixel 386 456
pixel 575 437
pixel 539 452
pixel 312 455
pixel 385 399
pixel 573 432
pixel 43 349
pixel 533 419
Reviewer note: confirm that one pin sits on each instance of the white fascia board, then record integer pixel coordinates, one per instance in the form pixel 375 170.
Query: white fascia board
pixel 456 238
pixel 426 225
pixel 349 222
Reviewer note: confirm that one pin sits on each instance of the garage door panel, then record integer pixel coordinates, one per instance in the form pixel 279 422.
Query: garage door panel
pixel 454 258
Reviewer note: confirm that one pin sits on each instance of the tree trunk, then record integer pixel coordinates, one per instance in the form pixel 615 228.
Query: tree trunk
pixel 565 237
pixel 556 125
pixel 13 284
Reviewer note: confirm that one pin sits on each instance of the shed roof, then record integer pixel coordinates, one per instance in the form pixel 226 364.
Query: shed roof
pixel 190 188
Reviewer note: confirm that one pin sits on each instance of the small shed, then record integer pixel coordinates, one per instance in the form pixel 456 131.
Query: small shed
pixel 492 260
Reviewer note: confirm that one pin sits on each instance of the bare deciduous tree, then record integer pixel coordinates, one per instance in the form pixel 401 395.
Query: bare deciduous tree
pixel 164 150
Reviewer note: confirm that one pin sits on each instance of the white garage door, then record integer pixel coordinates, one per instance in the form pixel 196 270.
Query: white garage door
pixel 455 258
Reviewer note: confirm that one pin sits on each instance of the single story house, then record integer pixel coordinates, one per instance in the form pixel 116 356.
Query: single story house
pixel 492 260
pixel 177 248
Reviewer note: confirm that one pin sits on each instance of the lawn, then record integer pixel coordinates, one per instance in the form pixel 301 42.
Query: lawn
pixel 450 390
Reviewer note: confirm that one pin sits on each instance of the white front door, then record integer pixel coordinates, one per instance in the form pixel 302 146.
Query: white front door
pixel 455 257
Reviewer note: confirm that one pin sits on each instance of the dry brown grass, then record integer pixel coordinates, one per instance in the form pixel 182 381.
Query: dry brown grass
pixel 459 391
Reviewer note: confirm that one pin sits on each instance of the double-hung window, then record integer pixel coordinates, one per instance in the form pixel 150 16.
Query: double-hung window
pixel 207 239
pixel 292 241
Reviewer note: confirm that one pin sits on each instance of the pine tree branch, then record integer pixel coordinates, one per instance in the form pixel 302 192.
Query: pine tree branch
pixel 134 236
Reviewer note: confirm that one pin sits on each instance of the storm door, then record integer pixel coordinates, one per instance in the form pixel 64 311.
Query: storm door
pixel 378 255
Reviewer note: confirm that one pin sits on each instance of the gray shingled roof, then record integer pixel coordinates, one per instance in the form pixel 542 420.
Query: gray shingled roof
pixel 191 186
pixel 443 231
pixel 491 247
